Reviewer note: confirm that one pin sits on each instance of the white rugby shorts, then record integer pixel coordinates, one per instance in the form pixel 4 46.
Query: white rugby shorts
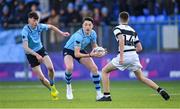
pixel 131 61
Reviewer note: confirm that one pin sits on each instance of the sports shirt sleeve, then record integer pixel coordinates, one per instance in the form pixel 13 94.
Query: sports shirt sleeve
pixel 24 35
pixel 117 31
pixel 94 37
pixel 43 26
pixel 77 41
pixel 136 39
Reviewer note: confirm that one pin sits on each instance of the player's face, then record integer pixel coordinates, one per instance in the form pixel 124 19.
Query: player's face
pixel 87 26
pixel 33 22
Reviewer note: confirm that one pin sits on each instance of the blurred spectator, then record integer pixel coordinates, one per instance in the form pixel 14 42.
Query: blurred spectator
pixel 34 7
pixel 151 6
pixel 85 11
pixel 72 11
pixel 78 4
pixel 98 4
pixel 115 11
pixel 1 6
pixel 62 19
pixel 6 17
pixel 54 38
pixel 123 6
pixel 72 15
pixel 96 16
pixel 135 7
pixel 20 13
pixel 169 6
pixel 105 18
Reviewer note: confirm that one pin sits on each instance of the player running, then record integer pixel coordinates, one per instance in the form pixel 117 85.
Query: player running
pixel 127 58
pixel 36 53
pixel 75 49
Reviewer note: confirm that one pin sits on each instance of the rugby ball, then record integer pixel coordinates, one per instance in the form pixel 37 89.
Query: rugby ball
pixel 99 49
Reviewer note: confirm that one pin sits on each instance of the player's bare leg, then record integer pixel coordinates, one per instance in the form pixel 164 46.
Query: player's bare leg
pixel 41 76
pixel 151 84
pixel 48 63
pixel 89 63
pixel 105 81
pixel 69 64
pixel 145 80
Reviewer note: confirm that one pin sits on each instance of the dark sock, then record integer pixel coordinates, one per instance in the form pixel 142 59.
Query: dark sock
pixel 158 90
pixel 107 94
pixel 68 77
pixel 51 82
pixel 96 80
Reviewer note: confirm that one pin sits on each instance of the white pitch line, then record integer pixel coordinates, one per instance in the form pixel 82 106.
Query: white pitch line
pixel 41 86
pixel 95 108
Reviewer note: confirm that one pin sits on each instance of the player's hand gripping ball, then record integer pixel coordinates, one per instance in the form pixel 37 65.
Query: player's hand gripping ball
pixel 100 50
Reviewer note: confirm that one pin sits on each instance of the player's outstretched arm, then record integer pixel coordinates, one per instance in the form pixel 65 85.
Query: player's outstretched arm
pixel 58 30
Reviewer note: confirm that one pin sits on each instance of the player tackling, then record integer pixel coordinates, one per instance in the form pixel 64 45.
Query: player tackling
pixel 127 58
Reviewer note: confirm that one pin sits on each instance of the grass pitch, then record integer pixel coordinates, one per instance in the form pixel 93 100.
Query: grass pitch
pixel 125 94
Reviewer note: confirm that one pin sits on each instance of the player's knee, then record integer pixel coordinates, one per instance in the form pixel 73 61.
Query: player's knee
pixel 141 78
pixel 50 69
pixel 69 68
pixel 104 70
pixel 94 69
pixel 41 78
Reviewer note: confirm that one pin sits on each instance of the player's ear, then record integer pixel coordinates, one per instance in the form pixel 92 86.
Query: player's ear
pixel 28 20
pixel 92 25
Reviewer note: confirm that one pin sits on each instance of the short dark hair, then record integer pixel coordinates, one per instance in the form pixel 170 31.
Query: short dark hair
pixel 33 15
pixel 124 16
pixel 88 19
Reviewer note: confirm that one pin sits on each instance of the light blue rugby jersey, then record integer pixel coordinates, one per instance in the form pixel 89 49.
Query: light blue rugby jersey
pixel 33 36
pixel 80 39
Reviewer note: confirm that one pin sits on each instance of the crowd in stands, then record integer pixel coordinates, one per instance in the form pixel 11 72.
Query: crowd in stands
pixel 69 12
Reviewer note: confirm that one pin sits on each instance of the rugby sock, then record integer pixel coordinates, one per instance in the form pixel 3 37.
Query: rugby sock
pixel 68 77
pixel 106 94
pixel 96 81
pixel 51 82
pixel 158 90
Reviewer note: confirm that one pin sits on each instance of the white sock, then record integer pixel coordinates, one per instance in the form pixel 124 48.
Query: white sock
pixel 98 92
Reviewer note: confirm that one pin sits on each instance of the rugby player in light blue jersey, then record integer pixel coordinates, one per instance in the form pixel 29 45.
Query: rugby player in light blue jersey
pixel 36 53
pixel 75 49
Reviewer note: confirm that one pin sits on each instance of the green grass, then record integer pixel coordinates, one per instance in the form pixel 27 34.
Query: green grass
pixel 131 94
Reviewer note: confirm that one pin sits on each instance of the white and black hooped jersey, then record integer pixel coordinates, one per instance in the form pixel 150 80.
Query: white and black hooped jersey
pixel 129 34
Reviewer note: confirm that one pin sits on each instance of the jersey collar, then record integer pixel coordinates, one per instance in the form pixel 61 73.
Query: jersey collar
pixel 84 34
pixel 30 27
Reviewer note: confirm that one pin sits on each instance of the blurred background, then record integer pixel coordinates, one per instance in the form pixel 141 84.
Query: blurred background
pixel 157 23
